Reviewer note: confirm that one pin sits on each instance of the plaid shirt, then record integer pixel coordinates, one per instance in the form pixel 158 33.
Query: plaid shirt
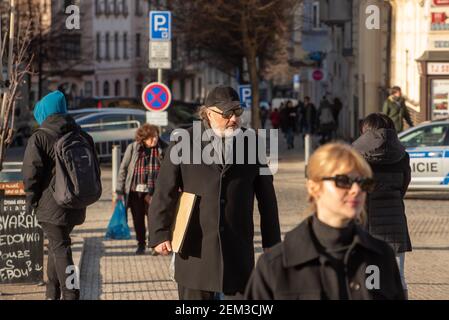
pixel 146 169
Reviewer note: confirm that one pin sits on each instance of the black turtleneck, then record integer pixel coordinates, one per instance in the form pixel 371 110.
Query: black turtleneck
pixel 336 241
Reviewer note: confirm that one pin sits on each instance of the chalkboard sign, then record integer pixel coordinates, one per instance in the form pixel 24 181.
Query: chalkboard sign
pixel 21 238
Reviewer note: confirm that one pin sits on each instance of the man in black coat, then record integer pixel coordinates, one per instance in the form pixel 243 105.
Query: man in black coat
pixel 217 255
pixel 38 170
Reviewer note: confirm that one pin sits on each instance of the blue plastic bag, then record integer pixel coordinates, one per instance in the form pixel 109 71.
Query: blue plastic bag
pixel 118 228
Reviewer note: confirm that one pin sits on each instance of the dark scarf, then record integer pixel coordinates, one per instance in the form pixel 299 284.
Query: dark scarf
pixel 147 168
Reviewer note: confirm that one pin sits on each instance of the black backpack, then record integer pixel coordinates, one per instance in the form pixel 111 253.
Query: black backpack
pixel 77 176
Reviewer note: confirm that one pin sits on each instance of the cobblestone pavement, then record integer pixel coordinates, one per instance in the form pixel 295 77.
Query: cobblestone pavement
pixel 111 271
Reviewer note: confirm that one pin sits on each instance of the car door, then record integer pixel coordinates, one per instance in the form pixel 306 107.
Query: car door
pixel 427 147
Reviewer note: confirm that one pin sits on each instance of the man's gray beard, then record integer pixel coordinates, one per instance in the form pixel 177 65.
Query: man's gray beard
pixel 226 133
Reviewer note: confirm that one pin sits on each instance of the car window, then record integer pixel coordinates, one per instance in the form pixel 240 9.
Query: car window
pixel 428 136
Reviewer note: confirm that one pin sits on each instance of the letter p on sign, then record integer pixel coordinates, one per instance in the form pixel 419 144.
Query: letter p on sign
pixel 160 25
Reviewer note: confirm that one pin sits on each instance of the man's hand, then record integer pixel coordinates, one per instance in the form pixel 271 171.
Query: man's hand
pixel 163 248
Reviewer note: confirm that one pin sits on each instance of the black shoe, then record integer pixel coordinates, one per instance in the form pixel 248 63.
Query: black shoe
pixel 140 250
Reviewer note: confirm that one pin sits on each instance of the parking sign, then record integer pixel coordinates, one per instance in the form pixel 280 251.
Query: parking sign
pixel 246 96
pixel 160 25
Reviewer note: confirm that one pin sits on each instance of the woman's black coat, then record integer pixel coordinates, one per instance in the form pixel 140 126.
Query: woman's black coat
pixel 297 270
pixel 385 205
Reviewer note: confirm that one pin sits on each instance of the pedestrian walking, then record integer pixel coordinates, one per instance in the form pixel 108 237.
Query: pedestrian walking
pixel 43 177
pixel 329 255
pixel 309 117
pixel 327 123
pixel 137 178
pixel 275 118
pixel 263 116
pixel 217 255
pixel 394 107
pixel 337 106
pixel 291 120
pixel 390 163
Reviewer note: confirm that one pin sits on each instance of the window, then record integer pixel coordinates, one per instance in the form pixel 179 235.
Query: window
pixel 106 88
pixel 429 136
pixel 120 6
pixel 138 10
pixel 98 46
pixel 316 15
pixel 116 7
pixel 99 5
pixel 107 56
pixel 88 89
pixel 125 7
pixel 106 7
pixel 139 90
pixel 117 88
pixel 71 47
pixel 138 45
pixel 127 87
pixel 125 46
pixel 116 48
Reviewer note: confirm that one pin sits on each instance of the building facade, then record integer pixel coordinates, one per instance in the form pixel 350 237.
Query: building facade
pixel 420 56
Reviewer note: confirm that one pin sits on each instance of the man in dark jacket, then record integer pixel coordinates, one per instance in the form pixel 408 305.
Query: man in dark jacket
pixel 381 148
pixel 394 107
pixel 309 117
pixel 217 255
pixel 38 171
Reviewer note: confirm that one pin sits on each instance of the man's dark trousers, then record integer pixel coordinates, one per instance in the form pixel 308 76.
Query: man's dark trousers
pixel 59 258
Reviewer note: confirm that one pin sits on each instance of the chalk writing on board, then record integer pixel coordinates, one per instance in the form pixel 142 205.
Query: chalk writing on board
pixel 21 239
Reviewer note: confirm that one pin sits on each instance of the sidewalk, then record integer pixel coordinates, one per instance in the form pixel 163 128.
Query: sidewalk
pixel 111 271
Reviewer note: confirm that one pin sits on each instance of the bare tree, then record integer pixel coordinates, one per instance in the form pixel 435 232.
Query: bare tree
pixel 19 65
pixel 230 30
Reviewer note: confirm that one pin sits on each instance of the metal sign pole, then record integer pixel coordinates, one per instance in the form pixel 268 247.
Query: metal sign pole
pixel 159 75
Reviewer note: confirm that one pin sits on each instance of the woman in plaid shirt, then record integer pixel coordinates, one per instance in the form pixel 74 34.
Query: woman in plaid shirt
pixel 137 177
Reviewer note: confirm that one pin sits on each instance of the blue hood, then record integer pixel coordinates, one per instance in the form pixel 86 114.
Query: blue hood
pixel 52 103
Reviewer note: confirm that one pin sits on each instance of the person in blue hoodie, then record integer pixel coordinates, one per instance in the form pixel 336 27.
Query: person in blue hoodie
pixel 38 170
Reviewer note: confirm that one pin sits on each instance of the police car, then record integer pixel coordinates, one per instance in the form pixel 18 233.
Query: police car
pixel 428 147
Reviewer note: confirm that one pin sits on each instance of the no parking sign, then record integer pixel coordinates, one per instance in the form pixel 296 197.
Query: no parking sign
pixel 156 97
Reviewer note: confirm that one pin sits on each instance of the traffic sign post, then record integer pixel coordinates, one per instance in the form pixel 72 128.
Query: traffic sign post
pixel 246 96
pixel 156 97
pixel 158 118
pixel 160 25
pixel 160 41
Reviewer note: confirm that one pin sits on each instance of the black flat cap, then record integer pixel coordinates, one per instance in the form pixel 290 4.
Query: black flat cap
pixel 223 97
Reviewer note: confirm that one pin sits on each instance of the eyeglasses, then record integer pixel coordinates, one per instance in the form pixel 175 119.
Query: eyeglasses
pixel 229 113
pixel 344 182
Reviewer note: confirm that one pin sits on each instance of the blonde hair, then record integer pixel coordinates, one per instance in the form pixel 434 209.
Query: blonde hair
pixel 335 158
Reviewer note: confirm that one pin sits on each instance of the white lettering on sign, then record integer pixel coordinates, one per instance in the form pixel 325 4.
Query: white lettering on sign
pixel 7 240
pixel 14 222
pixel 438 68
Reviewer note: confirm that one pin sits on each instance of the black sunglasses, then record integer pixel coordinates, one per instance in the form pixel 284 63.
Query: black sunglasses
pixel 229 113
pixel 345 182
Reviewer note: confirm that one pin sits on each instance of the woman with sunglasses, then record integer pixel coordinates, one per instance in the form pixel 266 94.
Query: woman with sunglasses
pixel 329 255
pixel 380 146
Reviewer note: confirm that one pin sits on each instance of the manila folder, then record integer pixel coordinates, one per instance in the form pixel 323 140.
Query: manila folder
pixel 183 212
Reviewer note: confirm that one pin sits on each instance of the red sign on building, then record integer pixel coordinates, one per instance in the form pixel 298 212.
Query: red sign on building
pixel 439 17
pixel 441 2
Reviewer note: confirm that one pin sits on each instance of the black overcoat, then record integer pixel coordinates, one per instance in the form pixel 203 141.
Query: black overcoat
pixel 218 250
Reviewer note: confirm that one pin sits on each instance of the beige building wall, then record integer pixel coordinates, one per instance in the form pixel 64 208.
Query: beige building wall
pixel 410 32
